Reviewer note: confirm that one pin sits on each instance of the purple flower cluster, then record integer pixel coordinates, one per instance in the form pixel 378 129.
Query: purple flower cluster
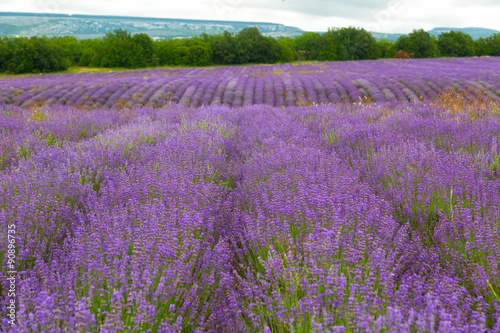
pixel 360 218
pixel 278 85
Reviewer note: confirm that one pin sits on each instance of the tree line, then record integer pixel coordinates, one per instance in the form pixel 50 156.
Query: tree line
pixel 122 49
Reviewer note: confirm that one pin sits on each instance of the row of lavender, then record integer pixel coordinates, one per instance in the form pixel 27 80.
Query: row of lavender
pixel 277 85
pixel 345 218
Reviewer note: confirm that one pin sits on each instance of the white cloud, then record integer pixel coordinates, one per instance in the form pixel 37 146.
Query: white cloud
pixel 467 3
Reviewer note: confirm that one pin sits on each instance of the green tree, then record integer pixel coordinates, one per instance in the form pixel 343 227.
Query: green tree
pixel 420 43
pixel 200 52
pixel 228 49
pixel 489 46
pixel 268 51
pixel 48 56
pixel 91 52
pixel 23 60
pixel 184 52
pixel 355 44
pixel 325 47
pixel 71 47
pixel 287 46
pixel 120 50
pixel 455 44
pixel 307 45
pixel 6 54
pixel 163 52
pixel 146 58
pixel 481 46
pixel 253 44
pixel 387 48
pixel 179 53
pixel 32 55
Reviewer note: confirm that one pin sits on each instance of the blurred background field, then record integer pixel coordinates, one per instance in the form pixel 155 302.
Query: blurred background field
pixel 296 84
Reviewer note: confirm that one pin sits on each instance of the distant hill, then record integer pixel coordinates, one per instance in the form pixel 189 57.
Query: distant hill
pixel 90 26
pixel 93 26
pixel 475 33
pixel 383 35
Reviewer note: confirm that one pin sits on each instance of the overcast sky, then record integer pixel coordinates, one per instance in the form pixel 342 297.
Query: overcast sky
pixel 312 15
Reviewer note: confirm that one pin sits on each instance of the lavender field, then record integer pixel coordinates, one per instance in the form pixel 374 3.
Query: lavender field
pixel 277 85
pixel 348 217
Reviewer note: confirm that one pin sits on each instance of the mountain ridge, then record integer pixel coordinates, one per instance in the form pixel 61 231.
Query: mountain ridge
pixel 82 26
pixel 95 26
pixel 474 32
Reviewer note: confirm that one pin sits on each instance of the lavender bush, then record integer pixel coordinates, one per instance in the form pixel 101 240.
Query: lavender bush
pixel 353 217
pixel 323 218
